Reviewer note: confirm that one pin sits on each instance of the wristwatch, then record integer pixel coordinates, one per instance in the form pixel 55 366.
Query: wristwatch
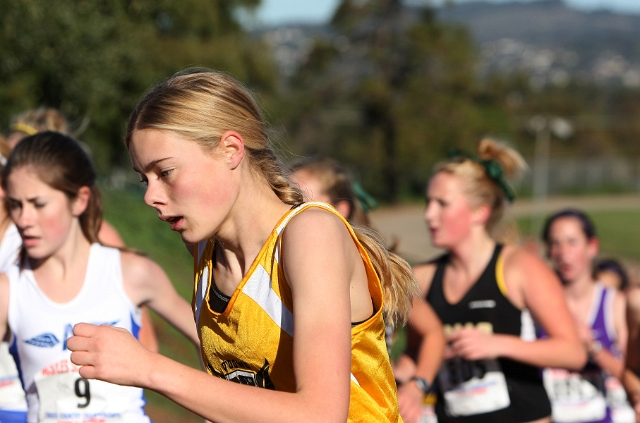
pixel 422 383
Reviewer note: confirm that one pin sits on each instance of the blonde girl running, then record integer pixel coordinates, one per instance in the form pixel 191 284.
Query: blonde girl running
pixel 483 292
pixel 287 296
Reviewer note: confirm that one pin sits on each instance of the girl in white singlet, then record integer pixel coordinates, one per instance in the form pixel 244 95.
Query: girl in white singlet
pixel 64 276
pixel 288 297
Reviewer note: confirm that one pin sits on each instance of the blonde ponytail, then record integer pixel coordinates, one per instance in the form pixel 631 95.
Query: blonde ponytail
pixel 398 283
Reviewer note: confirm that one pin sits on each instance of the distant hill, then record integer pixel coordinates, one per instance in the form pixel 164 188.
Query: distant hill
pixel 548 39
pixel 547 36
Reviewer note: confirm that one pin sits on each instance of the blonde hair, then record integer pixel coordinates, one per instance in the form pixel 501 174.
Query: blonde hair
pixel 201 104
pixel 40 120
pixel 480 187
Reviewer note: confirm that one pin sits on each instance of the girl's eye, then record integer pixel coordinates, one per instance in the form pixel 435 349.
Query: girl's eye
pixel 143 181
pixel 40 205
pixel 165 173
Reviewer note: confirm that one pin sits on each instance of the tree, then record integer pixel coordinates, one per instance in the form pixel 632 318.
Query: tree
pixel 93 59
pixel 388 92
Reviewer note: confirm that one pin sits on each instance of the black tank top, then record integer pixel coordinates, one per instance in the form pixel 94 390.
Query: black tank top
pixel 485 307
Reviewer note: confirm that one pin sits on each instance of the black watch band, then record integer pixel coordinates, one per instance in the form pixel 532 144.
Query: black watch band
pixel 422 383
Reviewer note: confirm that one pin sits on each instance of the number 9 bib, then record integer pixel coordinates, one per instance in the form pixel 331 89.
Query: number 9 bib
pixel 66 397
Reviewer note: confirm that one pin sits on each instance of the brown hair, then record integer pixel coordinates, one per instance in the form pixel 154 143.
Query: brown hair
pixel 201 104
pixel 61 163
pixel 479 186
pixel 336 183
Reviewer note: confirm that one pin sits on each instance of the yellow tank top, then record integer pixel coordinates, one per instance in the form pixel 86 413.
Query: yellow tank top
pixel 251 342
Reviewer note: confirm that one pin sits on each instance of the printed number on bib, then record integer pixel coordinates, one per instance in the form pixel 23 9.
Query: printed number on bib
pixel 66 397
pixel 575 397
pixel 473 387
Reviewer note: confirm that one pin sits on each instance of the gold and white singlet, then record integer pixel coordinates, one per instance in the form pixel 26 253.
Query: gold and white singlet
pixel 251 342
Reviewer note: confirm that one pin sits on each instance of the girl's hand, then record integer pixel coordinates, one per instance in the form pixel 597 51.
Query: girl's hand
pixel 410 399
pixel 110 354
pixel 471 344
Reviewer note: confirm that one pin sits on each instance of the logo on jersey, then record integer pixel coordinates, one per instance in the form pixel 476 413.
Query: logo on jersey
pixel 46 340
pixel 49 340
pixel 240 372
pixel 482 304
pixel 483 327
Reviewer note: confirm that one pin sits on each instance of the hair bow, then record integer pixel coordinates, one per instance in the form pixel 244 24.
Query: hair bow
pixel 493 168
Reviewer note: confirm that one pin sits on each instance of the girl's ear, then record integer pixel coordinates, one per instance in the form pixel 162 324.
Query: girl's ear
pixel 232 148
pixel 80 203
pixel 481 214
pixel 344 208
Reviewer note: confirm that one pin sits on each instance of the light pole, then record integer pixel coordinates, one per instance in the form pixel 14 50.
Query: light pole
pixel 543 127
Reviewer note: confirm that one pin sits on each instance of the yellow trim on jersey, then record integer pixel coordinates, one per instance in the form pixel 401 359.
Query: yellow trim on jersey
pixel 502 286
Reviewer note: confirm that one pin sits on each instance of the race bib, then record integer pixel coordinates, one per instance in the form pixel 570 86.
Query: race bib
pixel 621 410
pixel 428 410
pixel 67 397
pixel 473 387
pixel 575 397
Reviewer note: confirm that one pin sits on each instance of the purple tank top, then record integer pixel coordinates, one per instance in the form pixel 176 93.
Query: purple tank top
pixel 580 397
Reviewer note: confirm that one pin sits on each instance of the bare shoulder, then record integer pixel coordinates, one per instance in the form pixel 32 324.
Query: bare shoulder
pixel 136 268
pixel 523 266
pixel 108 235
pixel 315 228
pixel 424 273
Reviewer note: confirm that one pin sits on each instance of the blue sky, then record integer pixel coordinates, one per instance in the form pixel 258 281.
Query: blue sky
pixel 273 12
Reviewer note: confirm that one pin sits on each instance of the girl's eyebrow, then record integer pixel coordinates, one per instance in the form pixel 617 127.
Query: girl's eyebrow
pixel 150 165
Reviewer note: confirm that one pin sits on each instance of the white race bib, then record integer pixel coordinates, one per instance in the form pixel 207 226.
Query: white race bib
pixel 66 397
pixel 575 397
pixel 473 387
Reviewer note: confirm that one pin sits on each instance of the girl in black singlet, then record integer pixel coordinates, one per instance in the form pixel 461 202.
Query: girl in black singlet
pixel 483 293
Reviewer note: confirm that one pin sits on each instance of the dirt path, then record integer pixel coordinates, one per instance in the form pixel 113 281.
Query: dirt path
pixel 405 223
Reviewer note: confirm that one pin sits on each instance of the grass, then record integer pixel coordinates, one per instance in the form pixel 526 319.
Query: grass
pixel 140 229
pixel 618 231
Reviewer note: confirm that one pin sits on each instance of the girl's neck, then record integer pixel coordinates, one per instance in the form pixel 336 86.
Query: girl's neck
pixel 473 253
pixel 250 223
pixel 580 288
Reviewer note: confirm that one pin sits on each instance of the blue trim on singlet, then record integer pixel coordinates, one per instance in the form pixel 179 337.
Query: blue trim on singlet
pixel 13 350
pixel 135 331
pixel 135 328
pixel 13 416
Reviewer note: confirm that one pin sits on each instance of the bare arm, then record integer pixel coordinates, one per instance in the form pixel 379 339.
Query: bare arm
pixel 147 284
pixel 532 284
pixel 425 322
pixel 320 284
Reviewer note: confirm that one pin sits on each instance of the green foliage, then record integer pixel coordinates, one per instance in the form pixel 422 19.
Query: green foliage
pixel 94 59
pixel 387 94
